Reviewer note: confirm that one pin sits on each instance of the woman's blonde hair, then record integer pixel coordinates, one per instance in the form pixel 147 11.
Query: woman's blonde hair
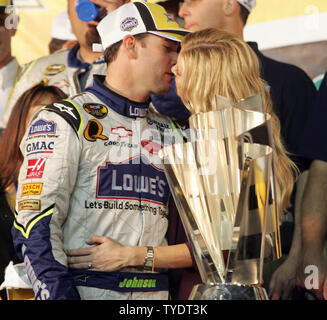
pixel 217 62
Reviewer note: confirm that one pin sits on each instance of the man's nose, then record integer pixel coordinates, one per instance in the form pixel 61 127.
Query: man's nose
pixel 182 12
pixel 182 9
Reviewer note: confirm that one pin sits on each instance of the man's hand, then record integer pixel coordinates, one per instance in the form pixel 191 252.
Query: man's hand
pixel 106 255
pixel 109 5
pixel 283 280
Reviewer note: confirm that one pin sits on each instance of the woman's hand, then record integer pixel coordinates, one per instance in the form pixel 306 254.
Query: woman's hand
pixel 106 255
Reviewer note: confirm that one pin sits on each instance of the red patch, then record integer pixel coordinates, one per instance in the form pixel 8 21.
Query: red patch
pixel 35 168
pixel 150 146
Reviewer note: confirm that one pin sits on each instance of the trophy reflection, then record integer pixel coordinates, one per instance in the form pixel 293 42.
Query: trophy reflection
pixel 222 181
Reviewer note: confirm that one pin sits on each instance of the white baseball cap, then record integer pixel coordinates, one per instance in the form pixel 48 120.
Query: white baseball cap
pixel 135 18
pixel 248 4
pixel 61 27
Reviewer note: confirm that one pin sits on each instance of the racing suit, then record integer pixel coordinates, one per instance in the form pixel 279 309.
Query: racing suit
pixel 62 69
pixel 91 167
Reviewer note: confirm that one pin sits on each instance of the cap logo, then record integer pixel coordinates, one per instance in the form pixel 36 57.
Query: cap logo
pixel 128 24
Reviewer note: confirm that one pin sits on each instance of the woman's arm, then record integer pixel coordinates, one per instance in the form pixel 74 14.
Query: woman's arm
pixel 110 255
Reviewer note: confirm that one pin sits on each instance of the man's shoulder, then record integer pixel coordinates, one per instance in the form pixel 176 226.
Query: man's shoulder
pixel 60 56
pixel 75 109
pixel 283 70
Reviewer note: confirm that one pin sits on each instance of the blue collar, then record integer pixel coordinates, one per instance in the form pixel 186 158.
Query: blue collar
pixel 117 102
pixel 74 62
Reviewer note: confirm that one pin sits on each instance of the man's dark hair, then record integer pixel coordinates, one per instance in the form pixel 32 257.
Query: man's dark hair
pixel 244 14
pixel 110 54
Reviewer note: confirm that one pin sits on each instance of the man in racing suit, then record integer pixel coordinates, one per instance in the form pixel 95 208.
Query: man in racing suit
pixel 70 70
pixel 91 167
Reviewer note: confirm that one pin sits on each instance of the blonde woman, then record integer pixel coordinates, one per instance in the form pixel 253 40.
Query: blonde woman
pixel 227 66
pixel 210 62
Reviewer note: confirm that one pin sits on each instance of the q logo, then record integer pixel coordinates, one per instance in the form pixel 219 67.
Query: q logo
pixel 93 131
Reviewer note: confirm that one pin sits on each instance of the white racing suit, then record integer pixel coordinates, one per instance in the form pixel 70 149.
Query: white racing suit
pixel 91 167
pixel 62 69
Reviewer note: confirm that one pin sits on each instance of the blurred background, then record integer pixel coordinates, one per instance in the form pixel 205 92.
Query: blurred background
pixel 293 31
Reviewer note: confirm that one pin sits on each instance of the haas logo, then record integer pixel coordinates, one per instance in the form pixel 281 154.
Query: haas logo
pixel 35 168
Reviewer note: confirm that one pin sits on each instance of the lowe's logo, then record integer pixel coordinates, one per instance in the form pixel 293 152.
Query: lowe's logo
pixel 39 147
pixel 134 179
pixel 42 127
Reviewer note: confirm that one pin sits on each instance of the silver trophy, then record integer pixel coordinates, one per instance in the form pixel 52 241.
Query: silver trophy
pixel 222 182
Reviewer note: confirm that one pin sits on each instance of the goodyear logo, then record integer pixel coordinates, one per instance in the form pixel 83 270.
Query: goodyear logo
pixel 34 205
pixel 96 110
pixel 54 69
pixel 31 189
pixel 128 24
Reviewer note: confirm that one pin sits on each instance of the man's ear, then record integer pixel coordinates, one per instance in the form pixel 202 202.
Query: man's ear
pixel 230 7
pixel 129 45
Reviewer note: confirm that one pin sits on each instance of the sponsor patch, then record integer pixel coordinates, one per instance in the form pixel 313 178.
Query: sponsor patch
pixel 35 168
pixel 122 132
pixel 98 111
pixel 54 69
pixel 31 189
pixel 93 131
pixel 34 205
pixel 123 180
pixel 151 146
pixel 44 147
pixel 128 24
pixel 42 127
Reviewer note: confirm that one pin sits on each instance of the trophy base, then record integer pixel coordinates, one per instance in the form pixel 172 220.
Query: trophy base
pixel 228 291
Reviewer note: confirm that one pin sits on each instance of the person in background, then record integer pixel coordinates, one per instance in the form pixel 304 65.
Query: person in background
pixel 9 67
pixel 62 36
pixel 11 159
pixel 314 205
pixel 70 70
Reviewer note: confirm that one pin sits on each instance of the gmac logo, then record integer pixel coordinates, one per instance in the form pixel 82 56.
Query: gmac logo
pixel 39 147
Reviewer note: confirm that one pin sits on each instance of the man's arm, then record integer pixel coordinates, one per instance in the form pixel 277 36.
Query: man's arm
pixel 47 177
pixel 314 225
pixel 284 278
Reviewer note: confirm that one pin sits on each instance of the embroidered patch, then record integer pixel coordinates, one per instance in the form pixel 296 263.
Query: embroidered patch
pixel 93 131
pixel 128 24
pixel 54 69
pixel 98 111
pixel 31 189
pixel 34 205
